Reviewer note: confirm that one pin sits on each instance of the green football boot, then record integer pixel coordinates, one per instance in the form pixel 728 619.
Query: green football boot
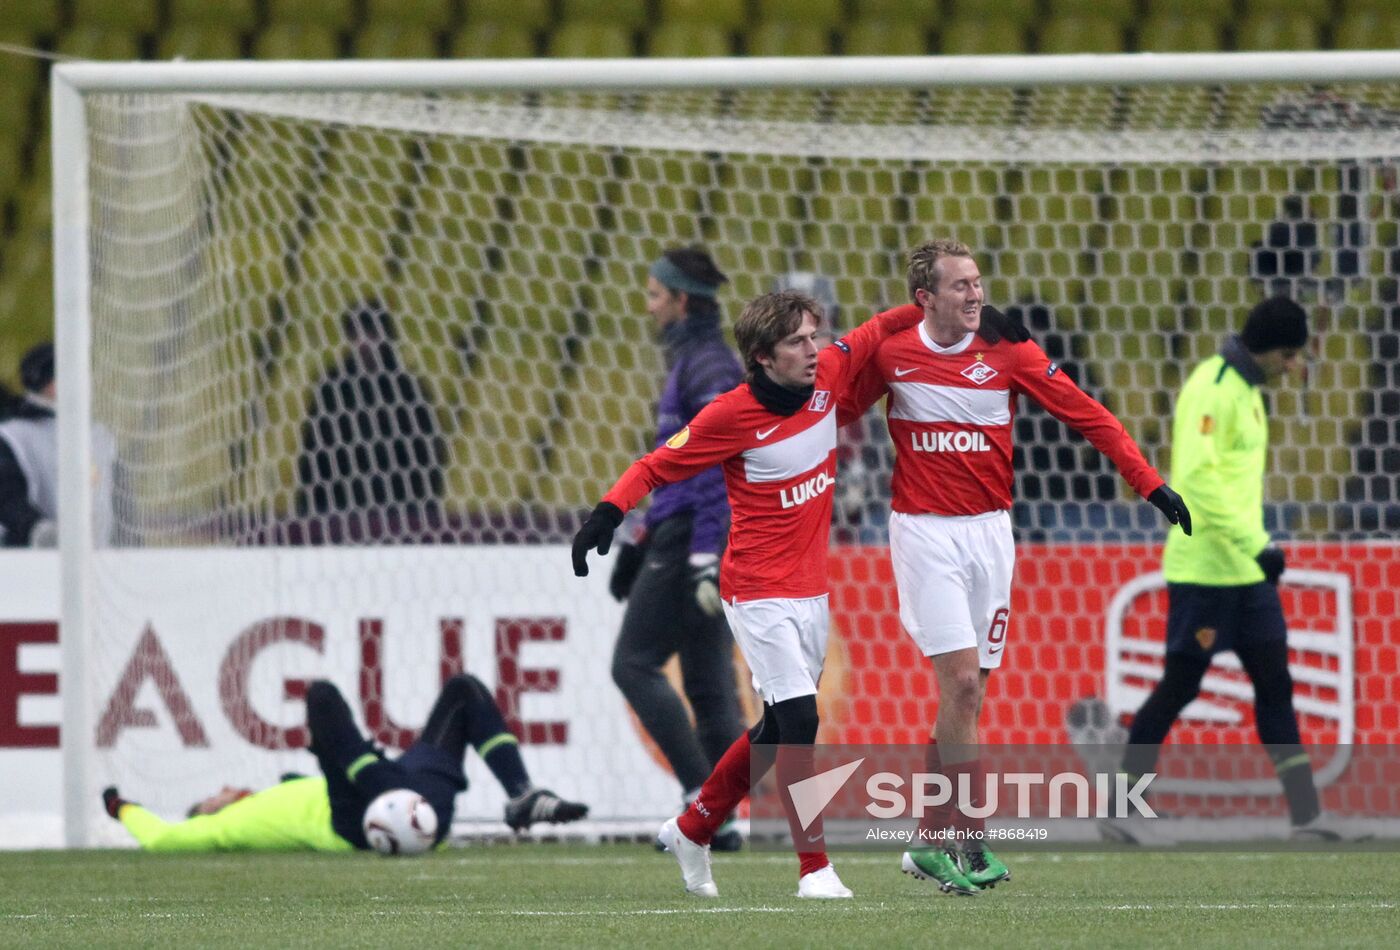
pixel 939 865
pixel 982 868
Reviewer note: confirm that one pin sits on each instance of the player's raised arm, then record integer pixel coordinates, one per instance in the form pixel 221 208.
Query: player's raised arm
pixel 857 348
pixel 1042 380
pixel 866 388
pixel 706 442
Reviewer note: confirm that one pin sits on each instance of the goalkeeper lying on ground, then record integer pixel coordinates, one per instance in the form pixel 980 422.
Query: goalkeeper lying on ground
pixel 326 814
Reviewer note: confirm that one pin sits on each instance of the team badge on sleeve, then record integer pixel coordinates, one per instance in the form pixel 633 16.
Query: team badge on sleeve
pixel 679 439
pixel 1207 425
pixel 1053 369
pixel 843 346
pixel 819 400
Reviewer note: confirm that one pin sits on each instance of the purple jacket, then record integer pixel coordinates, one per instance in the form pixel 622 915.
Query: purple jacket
pixel 702 367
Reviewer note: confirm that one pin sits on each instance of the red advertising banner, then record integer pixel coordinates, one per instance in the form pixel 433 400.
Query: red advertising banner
pixel 1079 629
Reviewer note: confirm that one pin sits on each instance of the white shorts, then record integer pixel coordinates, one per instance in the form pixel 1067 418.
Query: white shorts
pixel 953 574
pixel 784 643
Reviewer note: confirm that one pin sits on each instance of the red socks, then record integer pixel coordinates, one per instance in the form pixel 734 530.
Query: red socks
pixel 795 763
pixel 726 788
pixel 721 793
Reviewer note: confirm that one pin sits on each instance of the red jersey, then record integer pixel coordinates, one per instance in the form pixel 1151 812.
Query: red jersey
pixel 779 471
pixel 950 413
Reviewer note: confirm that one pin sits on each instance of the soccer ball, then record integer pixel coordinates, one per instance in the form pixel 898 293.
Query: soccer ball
pixel 400 822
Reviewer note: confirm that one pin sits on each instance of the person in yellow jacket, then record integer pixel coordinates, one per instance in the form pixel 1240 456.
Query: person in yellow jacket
pixel 1222 580
pixel 326 813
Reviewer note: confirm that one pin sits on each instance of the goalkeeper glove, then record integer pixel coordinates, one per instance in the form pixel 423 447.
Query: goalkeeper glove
pixel 597 532
pixel 704 583
pixel 1270 561
pixel 626 569
pixel 113 801
pixel 1170 504
pixel 996 326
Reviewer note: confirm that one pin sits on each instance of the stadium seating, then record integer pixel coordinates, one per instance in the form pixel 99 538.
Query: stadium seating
pixel 1278 32
pixel 313 29
pixel 239 15
pixel 970 36
pixel 884 38
pixel 1166 34
pixel 425 14
pixel 1211 11
pixel 1078 34
pixel 297 41
pixel 328 14
pixel 32 16
pixel 526 14
pixel 921 13
pixel 11 158
pixel 728 14
pixel 199 41
pixel 789 39
pixel 584 40
pixel 1119 12
pixel 1313 9
pixel 18 74
pixel 138 16
pixel 99 42
pixel 991 12
pixel 493 41
pixel 681 39
pixel 631 14
pixel 395 41
pixel 1368 30
pixel 825 13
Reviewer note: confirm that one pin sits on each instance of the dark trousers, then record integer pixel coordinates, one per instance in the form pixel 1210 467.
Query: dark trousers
pixel 663 620
pixel 353 781
pixel 1202 621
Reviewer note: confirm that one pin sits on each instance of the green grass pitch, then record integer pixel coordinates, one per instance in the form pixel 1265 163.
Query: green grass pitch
pixel 627 895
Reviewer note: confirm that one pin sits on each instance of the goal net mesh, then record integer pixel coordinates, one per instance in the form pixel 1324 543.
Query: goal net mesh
pixel 363 361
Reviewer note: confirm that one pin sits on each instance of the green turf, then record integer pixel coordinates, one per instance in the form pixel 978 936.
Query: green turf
pixel 626 895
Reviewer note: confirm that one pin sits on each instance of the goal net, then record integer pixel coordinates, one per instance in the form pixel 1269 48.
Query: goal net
pixel 359 361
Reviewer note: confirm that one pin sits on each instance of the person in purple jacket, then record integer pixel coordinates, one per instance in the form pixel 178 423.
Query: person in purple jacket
pixel 669 575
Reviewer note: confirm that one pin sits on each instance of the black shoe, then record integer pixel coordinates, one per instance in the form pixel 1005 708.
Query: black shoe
pixel 112 800
pixel 540 804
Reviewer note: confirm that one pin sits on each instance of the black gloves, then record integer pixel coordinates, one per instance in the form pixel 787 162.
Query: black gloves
pixel 704 584
pixel 113 801
pixel 597 532
pixel 1270 561
pixel 998 326
pixel 625 570
pixel 1170 504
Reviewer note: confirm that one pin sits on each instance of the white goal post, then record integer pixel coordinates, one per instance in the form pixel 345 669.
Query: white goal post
pixel 505 211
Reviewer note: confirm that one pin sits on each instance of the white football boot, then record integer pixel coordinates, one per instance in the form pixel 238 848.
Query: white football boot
pixel 823 885
pixel 693 858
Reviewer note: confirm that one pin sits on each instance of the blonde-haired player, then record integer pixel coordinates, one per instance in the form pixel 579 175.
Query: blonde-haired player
pixel 953 394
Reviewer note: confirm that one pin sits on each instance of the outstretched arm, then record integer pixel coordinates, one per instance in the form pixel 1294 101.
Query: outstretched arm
pixel 1043 381
pixel 709 440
